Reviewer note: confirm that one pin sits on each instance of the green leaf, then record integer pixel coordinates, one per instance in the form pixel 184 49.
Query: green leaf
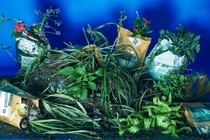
pixel 75 88
pixel 137 21
pixel 147 123
pixel 133 129
pixel 92 78
pixel 92 85
pixel 197 48
pixel 66 71
pixel 99 72
pixel 85 79
pixel 15 33
pixel 80 70
pixel 2 18
pixel 124 18
pixel 185 128
pixel 197 38
pixel 36 30
pixel 162 32
pixel 121 132
pixel 79 79
pixel 163 121
pixel 9 19
pixel 84 94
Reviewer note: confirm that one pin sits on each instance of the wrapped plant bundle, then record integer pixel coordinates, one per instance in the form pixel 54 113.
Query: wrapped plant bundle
pixel 29 44
pixel 133 44
pixel 173 52
pixel 135 48
pixel 164 62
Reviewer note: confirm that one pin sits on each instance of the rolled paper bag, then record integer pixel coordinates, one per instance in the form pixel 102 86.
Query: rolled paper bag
pixel 134 48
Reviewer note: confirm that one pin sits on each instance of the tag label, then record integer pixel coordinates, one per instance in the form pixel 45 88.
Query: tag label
pixel 135 41
pixel 5 103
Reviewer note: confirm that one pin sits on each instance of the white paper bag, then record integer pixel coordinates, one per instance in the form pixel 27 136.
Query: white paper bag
pixel 164 61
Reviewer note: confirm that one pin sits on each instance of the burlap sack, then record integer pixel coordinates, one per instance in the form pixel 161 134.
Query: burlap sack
pixel 197 85
pixel 134 45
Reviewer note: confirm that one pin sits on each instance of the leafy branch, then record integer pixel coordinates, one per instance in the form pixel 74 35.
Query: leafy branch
pixel 185 43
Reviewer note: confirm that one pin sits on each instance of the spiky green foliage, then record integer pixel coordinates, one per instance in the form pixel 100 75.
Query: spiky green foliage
pixel 66 118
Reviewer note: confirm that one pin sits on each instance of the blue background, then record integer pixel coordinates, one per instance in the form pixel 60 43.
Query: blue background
pixel 75 14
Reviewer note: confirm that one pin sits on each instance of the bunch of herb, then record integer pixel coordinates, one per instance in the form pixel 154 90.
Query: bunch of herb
pixel 185 43
pixel 174 84
pixel 83 80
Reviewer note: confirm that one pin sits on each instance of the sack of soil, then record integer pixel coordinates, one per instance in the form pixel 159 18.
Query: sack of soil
pixel 197 85
pixel 198 116
pixel 16 105
pixel 133 49
pixel 161 60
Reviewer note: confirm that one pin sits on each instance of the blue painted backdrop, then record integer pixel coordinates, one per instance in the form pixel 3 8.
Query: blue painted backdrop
pixel 75 14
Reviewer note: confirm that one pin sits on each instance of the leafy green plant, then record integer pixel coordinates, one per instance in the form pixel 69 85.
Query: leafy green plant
pixel 65 118
pixel 141 26
pixel 174 84
pixel 122 18
pixel 159 114
pixel 82 81
pixel 185 43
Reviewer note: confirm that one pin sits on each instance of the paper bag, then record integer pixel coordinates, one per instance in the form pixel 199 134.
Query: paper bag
pixel 15 105
pixel 198 116
pixel 197 85
pixel 136 46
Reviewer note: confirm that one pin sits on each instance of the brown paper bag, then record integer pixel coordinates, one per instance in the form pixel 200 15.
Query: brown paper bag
pixel 197 85
pixel 13 106
pixel 137 45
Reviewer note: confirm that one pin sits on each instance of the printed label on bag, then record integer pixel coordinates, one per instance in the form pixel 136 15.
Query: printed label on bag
pixel 25 61
pixel 135 41
pixel 28 46
pixel 5 103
